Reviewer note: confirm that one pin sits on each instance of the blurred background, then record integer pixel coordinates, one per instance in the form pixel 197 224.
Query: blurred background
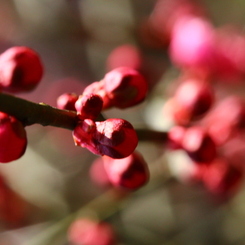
pixel 78 43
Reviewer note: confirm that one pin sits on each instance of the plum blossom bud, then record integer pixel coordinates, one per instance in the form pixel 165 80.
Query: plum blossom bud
pixel 199 145
pixel 98 174
pixel 86 231
pixel 13 138
pixel 89 106
pixel 122 87
pixel 226 119
pixel 222 177
pixel 124 55
pixel 125 87
pixel 130 172
pixel 83 135
pixel 193 44
pixel 175 137
pixel 192 99
pixel 67 101
pixel 113 137
pixel 20 69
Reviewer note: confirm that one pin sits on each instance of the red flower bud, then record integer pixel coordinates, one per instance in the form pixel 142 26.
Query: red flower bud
pixel 226 119
pixel 222 177
pixel 115 138
pixel 20 69
pixel 192 99
pixel 89 106
pixel 98 88
pixel 83 135
pixel 125 87
pixel 125 55
pixel 175 137
pixel 130 172
pixel 67 101
pixel 12 138
pixel 197 52
pixel 199 145
pixel 98 174
pixel 89 232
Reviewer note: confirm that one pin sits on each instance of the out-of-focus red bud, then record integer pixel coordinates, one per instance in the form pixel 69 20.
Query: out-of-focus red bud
pixel 125 87
pixel 192 99
pixel 199 145
pixel 125 55
pixel 197 52
pixel 226 119
pixel 175 137
pixel 130 172
pixel 13 138
pixel 167 12
pixel 221 177
pixel 86 231
pixel 89 106
pixel 98 174
pixel 67 101
pixel 115 138
pixel 20 69
pixel 230 48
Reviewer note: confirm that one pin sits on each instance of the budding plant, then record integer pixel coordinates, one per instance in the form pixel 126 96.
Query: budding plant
pixel 205 121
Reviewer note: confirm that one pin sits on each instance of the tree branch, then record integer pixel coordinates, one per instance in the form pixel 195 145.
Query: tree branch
pixel 30 113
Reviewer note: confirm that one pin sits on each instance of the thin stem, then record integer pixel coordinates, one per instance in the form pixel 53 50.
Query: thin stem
pixel 30 113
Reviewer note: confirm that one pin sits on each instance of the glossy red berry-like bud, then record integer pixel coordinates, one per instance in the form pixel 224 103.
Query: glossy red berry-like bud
pixel 20 69
pixel 125 87
pixel 192 99
pixel 67 101
pixel 86 231
pixel 89 106
pixel 130 173
pixel 98 88
pixel 199 145
pixel 83 135
pixel 115 138
pixel 13 138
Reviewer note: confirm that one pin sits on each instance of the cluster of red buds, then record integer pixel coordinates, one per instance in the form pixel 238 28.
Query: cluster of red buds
pixel 206 117
pixel 20 70
pixel 122 87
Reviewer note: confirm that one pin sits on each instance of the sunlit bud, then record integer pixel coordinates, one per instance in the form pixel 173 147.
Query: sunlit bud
pixel 83 135
pixel 89 106
pixel 125 87
pixel 115 138
pixel 20 69
pixel 67 101
pixel 13 138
